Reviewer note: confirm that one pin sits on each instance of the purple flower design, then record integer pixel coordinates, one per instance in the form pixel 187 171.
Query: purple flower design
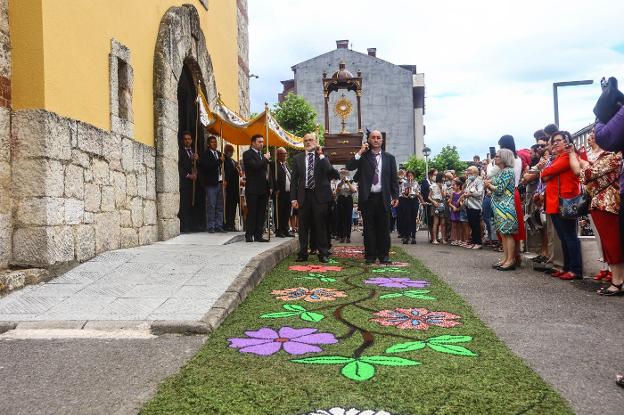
pixel 266 341
pixel 397 282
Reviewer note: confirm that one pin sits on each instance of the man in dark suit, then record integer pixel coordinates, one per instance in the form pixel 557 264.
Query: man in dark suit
pixel 281 193
pixel 188 175
pixel 211 168
pixel 378 192
pixel 256 188
pixel 232 186
pixel 311 194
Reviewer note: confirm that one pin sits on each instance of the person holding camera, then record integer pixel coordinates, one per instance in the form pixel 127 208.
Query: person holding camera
pixel 345 188
pixel 378 191
pixel 437 198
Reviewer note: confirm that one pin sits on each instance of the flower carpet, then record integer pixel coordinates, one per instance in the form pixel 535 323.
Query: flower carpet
pixel 349 338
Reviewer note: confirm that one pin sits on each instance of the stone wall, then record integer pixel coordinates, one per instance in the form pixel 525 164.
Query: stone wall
pixel 5 133
pixel 242 20
pixel 78 190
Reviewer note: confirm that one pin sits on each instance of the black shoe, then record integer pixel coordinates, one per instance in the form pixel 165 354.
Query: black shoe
pixel 509 268
pixel 279 235
pixel 413 241
pixel 369 261
pixel 211 231
pixel 248 239
pixel 220 230
pixel 289 235
pixel 323 258
pixel 405 241
pixel 261 239
pixel 348 240
pixel 385 261
pixel 301 259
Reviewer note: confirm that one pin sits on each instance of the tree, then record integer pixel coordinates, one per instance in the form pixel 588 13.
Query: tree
pixel 448 159
pixel 416 165
pixel 296 115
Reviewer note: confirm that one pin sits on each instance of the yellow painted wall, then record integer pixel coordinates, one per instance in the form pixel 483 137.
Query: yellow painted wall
pixel 75 39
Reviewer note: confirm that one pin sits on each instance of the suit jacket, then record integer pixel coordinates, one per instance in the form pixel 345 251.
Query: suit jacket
pixel 280 183
pixel 366 169
pixel 209 165
pixel 255 173
pixel 323 173
pixel 185 166
pixel 231 175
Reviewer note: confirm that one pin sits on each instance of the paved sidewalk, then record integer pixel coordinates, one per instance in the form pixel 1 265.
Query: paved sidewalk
pixel 176 280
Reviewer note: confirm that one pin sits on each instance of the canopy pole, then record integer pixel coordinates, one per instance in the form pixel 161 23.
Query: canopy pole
pixel 266 127
pixel 194 170
pixel 241 215
pixel 223 183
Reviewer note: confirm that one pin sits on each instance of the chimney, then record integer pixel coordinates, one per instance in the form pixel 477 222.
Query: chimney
pixel 342 44
pixel 372 52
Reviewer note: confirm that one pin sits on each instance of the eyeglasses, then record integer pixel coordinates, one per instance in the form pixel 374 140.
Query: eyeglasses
pixel 541 145
pixel 558 141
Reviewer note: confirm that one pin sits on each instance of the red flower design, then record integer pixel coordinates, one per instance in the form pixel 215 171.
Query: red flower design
pixel 416 318
pixel 314 268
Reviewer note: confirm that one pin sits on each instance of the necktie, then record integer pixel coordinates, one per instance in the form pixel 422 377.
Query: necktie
pixel 310 172
pixel 376 175
pixel 190 154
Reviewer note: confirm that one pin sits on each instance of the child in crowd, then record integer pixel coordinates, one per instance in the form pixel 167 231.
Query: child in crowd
pixel 455 205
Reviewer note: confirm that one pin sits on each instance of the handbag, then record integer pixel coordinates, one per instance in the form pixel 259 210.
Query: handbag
pixel 573 207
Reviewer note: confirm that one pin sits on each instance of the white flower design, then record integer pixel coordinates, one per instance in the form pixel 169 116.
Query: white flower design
pixel 352 411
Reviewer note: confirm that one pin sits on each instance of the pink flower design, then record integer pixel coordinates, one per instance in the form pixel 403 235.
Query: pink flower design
pixel 416 318
pixel 314 295
pixel 396 264
pixel 266 341
pixel 397 282
pixel 314 268
pixel 354 252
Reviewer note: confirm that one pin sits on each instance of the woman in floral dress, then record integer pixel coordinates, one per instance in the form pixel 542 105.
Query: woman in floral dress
pixel 502 186
pixel 601 181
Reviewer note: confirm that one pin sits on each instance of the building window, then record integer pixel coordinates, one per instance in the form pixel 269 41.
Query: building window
pixel 121 86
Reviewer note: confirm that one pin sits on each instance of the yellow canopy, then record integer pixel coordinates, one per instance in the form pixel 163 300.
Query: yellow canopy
pixel 236 130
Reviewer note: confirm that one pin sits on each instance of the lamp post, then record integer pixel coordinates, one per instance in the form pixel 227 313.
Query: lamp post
pixel 426 151
pixel 556 95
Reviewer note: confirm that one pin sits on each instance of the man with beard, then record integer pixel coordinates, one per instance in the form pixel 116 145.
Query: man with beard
pixel 256 188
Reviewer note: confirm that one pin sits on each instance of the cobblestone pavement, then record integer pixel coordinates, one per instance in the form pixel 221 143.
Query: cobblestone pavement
pixel 176 280
pixel 568 334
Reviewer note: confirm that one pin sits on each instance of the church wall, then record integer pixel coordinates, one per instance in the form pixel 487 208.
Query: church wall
pixel 6 222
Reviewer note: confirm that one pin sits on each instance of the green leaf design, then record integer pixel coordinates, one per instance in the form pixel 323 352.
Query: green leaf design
pixel 358 371
pixel 280 314
pixel 389 269
pixel 313 317
pixel 451 349
pixel 324 360
pixel 332 261
pixel 389 361
pixel 327 279
pixel 294 307
pixel 306 278
pixel 315 275
pixel 449 339
pixel 393 295
pixel 419 296
pixel 406 347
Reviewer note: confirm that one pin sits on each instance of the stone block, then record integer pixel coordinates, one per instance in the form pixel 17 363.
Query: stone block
pixel 151 184
pixel 129 238
pixel 6 230
pixel 43 246
pixel 137 155
pixel 88 218
pixel 40 133
pixel 149 156
pixel 148 235
pixel 40 211
pixel 168 228
pixel 84 242
pixel 90 138
pixel 92 197
pixel 37 178
pixel 4 16
pixel 108 199
pixel 74 181
pixel 119 186
pixel 167 111
pixel 125 218
pixel 149 212
pixel 168 205
pixel 101 171
pixel 74 211
pixel 5 133
pixel 88 174
pixel 142 183
pixel 167 176
pixel 127 155
pixel 5 186
pixel 166 142
pixel 107 231
pixel 136 209
pixel 131 184
pixel 111 147
pixel 5 55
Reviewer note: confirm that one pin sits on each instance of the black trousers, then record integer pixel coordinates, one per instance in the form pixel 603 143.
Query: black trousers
pixel 313 216
pixel 474 219
pixel 406 215
pixel 376 218
pixel 191 219
pixel 283 212
pixel 256 215
pixel 344 212
pixel 231 201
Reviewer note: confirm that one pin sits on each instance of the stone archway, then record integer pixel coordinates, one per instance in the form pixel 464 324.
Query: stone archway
pixel 180 41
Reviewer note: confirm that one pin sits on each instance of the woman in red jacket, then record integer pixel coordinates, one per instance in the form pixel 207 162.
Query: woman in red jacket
pixel 562 182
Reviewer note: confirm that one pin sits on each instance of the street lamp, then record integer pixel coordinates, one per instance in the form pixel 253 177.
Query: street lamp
pixel 556 96
pixel 426 151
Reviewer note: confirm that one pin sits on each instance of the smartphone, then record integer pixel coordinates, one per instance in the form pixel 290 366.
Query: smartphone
pixel 492 152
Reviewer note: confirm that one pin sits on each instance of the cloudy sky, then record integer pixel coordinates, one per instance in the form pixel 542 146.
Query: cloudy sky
pixel 489 65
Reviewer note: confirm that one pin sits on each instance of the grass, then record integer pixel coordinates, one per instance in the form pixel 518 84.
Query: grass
pixel 472 374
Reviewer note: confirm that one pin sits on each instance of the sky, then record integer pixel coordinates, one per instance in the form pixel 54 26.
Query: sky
pixel 489 65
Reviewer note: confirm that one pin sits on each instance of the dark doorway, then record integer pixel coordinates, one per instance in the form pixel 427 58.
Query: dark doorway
pixel 187 121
